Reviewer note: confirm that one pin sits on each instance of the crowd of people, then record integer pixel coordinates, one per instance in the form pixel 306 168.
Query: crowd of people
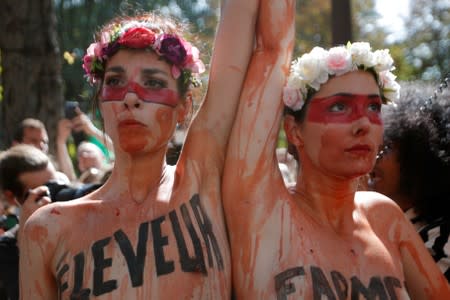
pixel 157 205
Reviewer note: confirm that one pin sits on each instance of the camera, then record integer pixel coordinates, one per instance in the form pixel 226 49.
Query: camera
pixel 62 192
pixel 54 188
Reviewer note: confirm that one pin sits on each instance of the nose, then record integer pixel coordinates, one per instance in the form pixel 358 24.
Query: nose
pixel 361 126
pixel 131 100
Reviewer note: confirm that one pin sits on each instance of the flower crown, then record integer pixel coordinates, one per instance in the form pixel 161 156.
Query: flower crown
pixel 183 56
pixel 315 68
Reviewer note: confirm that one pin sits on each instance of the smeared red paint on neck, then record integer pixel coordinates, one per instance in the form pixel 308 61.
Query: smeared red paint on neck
pixel 352 107
pixel 161 96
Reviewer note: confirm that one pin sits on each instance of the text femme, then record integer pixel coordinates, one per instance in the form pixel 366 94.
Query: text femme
pixel 379 288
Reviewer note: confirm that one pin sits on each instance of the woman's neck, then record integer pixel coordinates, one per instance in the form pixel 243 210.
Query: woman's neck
pixel 138 176
pixel 329 198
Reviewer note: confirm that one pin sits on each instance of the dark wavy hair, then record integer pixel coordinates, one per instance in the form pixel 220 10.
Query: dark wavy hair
pixel 419 127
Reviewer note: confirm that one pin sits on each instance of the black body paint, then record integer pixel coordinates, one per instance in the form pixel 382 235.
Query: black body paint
pixel 379 288
pixel 191 256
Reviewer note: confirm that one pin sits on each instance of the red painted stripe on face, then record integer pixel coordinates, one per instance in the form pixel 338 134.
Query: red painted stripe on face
pixel 345 108
pixel 161 96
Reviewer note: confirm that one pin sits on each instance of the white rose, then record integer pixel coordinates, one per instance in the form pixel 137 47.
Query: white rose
pixel 362 54
pixel 391 89
pixel 383 60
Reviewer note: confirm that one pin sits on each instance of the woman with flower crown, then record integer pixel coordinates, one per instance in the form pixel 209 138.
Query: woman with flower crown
pixel 153 231
pixel 320 239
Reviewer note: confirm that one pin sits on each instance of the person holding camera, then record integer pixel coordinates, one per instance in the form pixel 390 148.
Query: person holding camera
pixel 92 163
pixel 28 180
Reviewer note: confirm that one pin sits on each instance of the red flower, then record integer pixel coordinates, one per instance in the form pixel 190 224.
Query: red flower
pixel 138 37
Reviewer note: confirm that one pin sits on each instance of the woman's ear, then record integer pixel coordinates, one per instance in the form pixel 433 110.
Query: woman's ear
pixel 184 108
pixel 293 131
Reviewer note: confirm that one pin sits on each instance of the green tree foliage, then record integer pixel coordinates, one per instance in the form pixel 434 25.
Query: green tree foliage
pixel 79 19
pixel 313 25
pixel 424 56
pixel 428 39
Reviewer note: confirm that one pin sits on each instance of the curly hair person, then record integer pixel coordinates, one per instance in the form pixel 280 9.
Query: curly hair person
pixel 417 128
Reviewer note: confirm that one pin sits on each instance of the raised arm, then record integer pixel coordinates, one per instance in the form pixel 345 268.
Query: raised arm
pixel 232 49
pixel 251 155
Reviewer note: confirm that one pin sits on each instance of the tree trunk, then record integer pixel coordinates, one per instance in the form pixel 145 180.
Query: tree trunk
pixel 341 21
pixel 31 66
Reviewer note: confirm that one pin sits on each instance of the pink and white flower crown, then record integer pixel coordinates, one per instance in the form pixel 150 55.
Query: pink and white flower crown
pixel 183 56
pixel 315 68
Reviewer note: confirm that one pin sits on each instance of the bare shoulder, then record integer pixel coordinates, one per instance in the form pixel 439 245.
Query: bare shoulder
pixel 373 201
pixel 382 213
pixel 55 218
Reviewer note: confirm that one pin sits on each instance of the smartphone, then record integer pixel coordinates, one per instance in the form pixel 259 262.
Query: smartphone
pixel 70 110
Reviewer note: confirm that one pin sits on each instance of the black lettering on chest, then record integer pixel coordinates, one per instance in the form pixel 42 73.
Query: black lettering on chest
pixel 206 229
pixel 284 288
pixel 378 288
pixel 100 263
pixel 78 292
pixel 135 260
pixel 189 263
pixel 191 258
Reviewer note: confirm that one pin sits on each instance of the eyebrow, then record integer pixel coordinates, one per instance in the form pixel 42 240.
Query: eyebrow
pixel 116 69
pixel 152 71
pixel 351 94
pixel 147 71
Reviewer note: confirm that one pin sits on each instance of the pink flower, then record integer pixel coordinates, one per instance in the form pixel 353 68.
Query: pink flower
pixel 87 63
pixel 105 38
pixel 339 61
pixel 176 72
pixel 94 49
pixel 138 37
pixel 293 98
pixel 193 61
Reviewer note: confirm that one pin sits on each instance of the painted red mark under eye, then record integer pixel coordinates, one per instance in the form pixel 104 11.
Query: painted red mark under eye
pixel 161 96
pixel 345 108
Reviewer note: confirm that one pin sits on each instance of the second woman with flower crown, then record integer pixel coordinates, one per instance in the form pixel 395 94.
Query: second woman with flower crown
pixel 153 231
pixel 321 239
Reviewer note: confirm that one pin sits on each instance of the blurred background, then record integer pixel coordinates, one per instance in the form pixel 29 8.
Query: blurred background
pixel 43 42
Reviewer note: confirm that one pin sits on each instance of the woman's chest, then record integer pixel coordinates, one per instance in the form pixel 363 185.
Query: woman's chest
pixel 300 259
pixel 142 253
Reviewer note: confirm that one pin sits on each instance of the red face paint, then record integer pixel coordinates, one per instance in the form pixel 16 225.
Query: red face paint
pixel 345 108
pixel 161 96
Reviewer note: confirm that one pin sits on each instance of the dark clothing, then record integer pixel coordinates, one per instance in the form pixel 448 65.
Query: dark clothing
pixel 9 252
pixel 9 263
pixel 436 236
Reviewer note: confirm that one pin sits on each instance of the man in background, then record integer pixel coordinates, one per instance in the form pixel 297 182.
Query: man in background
pixel 32 132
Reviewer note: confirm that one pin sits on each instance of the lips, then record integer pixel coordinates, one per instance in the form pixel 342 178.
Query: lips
pixel 359 149
pixel 130 122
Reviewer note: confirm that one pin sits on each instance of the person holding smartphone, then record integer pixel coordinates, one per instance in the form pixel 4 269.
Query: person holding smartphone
pixel 80 126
